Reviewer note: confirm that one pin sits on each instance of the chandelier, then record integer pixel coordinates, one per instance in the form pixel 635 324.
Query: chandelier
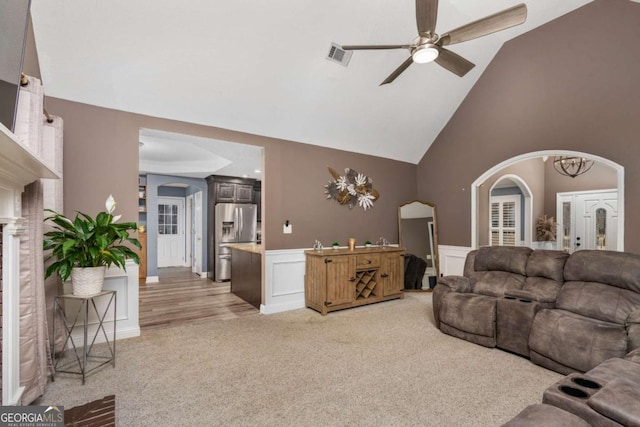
pixel 571 166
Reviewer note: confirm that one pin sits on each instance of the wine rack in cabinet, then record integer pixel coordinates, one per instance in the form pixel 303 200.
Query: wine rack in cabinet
pixel 340 278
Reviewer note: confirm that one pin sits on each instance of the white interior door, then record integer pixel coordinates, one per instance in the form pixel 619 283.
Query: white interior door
pixel 589 220
pixel 189 233
pixel 504 217
pixel 197 233
pixel 171 235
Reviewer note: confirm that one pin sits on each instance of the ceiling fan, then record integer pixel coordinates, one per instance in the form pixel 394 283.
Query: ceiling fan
pixel 429 46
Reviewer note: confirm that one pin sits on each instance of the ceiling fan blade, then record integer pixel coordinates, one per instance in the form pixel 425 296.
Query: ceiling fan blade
pixel 487 25
pixel 426 16
pixel 397 71
pixel 377 47
pixel 454 62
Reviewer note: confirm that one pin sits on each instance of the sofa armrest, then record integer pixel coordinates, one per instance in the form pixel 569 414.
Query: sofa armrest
pixel 529 295
pixel 618 400
pixel 633 355
pixel 456 283
pixel 633 330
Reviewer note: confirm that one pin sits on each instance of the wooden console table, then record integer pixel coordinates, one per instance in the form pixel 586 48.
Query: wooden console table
pixel 341 278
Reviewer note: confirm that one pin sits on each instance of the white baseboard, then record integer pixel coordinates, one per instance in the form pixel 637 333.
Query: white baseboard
pixel 278 308
pixel 152 279
pixel 121 334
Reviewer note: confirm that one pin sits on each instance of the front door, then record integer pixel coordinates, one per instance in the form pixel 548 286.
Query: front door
pixel 171 236
pixel 588 220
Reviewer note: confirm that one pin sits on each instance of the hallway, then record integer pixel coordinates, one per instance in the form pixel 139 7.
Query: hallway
pixel 183 297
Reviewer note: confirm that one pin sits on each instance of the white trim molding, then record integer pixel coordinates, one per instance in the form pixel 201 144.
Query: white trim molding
pixel 284 280
pixel 549 153
pixel 19 166
pixel 452 259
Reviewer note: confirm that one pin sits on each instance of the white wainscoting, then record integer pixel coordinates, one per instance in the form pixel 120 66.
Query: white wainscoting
pixel 127 310
pixel 452 259
pixel 284 275
pixel 283 281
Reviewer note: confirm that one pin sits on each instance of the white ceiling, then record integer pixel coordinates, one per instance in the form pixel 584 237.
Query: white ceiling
pixel 168 153
pixel 260 67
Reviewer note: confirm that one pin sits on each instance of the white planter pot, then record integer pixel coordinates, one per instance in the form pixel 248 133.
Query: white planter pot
pixel 88 280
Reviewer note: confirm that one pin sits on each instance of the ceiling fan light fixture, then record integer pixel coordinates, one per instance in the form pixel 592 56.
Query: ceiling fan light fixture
pixel 425 53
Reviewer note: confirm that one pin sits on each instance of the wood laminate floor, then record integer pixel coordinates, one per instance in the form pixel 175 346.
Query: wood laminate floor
pixel 183 297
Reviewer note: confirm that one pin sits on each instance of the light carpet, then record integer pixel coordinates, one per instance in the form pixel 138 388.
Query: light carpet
pixel 379 365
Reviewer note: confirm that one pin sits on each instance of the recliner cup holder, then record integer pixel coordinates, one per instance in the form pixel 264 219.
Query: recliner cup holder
pixel 574 392
pixel 587 383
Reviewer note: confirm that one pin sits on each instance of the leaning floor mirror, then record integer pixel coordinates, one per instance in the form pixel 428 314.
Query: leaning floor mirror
pixel 418 234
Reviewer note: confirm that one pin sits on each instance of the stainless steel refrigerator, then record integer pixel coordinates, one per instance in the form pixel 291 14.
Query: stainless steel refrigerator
pixel 234 223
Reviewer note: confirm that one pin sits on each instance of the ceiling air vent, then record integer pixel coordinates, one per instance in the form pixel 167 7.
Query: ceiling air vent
pixel 339 55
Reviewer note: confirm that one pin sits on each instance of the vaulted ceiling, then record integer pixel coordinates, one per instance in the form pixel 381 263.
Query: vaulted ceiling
pixel 260 66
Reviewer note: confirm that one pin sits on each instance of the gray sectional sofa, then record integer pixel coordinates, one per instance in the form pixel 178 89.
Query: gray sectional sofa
pixel 576 314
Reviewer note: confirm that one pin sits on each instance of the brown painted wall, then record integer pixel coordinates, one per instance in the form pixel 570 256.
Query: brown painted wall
pixel 101 157
pixel 599 177
pixel 570 84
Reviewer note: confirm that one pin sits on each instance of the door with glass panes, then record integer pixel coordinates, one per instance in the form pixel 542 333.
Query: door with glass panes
pixel 171 237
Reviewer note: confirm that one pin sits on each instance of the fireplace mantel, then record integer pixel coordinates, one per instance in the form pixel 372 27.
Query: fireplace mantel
pixel 18 165
pixel 18 168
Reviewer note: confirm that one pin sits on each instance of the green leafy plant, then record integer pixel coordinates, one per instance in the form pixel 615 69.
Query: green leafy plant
pixel 367 242
pixel 336 244
pixel 89 242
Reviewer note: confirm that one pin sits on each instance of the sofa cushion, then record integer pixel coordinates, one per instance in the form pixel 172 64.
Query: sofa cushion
pixel 469 263
pixel 470 313
pixel 618 269
pixel 549 264
pixel 545 290
pixel 576 341
pixel 598 300
pixel 502 258
pixel 619 400
pixel 495 283
pixel 614 368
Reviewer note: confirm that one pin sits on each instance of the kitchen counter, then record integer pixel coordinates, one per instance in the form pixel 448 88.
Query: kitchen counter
pixel 248 247
pixel 246 272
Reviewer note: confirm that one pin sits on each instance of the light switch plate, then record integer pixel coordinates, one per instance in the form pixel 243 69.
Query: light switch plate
pixel 287 229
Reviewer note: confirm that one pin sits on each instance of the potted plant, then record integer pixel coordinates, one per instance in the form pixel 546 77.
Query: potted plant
pixel 335 245
pixel 85 247
pixel 367 243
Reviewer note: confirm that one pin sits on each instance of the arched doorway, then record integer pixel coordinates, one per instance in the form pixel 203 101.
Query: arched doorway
pixel 478 204
pixel 509 213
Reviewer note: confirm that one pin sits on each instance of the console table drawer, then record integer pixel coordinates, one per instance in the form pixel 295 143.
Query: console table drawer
pixel 367 261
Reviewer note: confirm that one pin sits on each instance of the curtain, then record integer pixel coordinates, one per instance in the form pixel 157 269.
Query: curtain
pixel 52 194
pixel 34 339
pixel 36 297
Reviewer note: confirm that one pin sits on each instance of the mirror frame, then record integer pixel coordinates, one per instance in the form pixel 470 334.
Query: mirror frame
pixel 436 256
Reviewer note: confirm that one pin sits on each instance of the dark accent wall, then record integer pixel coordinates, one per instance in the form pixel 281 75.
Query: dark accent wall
pixel 570 84
pixel 101 157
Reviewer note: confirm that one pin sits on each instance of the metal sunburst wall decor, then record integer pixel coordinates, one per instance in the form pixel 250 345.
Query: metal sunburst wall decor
pixel 351 188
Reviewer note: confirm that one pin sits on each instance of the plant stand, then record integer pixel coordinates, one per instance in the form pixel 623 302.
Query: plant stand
pixel 81 360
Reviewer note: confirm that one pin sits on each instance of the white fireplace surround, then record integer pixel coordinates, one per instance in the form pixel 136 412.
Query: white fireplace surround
pixel 18 168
